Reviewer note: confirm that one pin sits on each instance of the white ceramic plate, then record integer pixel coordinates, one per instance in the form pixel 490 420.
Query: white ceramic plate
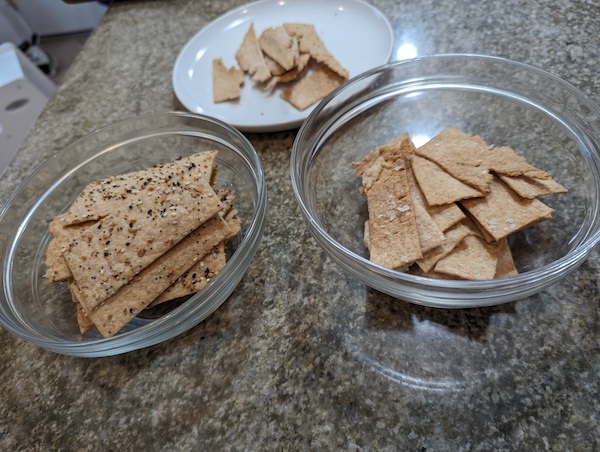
pixel 358 35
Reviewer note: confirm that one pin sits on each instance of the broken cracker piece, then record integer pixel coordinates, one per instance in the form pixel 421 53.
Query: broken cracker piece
pixel 472 258
pixel 117 310
pixel 250 57
pixel 100 198
pixel 502 211
pixel 529 187
pixel 504 160
pixel 453 236
pixel 312 88
pixel 280 46
pixel 109 254
pixel 310 43
pixel 460 155
pixel 506 264
pixel 437 185
pixel 227 83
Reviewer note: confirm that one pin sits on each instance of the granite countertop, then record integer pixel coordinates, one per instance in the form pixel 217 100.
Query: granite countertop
pixel 289 362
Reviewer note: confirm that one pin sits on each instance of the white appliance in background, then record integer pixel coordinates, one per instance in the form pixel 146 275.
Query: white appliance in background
pixel 24 92
pixel 55 17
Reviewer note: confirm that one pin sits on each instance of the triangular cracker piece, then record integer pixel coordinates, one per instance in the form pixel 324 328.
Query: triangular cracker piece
pixel 309 42
pixel 116 311
pixel 445 216
pixel 227 83
pixel 473 258
pixel 312 88
pixel 437 185
pixel 290 75
pixel 280 46
pixel 529 187
pixel 503 212
pixel 200 274
pixel 101 198
pixel 250 57
pixel 430 235
pixel 506 264
pixel 503 160
pixel 461 155
pixel 453 236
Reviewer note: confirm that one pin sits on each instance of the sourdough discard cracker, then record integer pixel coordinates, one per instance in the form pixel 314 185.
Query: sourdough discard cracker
pixel 391 212
pixel 200 274
pixel 150 208
pixel 505 161
pixel 117 310
pixel 102 197
pixel 439 187
pixel 456 244
pixel 312 88
pixel 503 212
pixel 461 156
pixel 227 83
pixel 108 255
pixel 452 237
pixel 292 74
pixel 444 216
pixel 472 258
pixel 250 57
pixel 278 45
pixel 276 58
pixel 310 43
pixel 506 264
pixel 530 187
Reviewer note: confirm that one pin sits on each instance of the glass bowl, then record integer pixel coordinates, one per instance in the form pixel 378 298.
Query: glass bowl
pixel 546 120
pixel 41 312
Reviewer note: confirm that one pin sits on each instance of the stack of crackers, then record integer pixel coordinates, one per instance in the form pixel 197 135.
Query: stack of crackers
pixel 444 210
pixel 133 241
pixel 292 52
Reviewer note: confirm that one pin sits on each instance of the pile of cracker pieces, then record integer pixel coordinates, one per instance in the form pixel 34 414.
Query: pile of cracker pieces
pixel 281 55
pixel 134 241
pixel 444 210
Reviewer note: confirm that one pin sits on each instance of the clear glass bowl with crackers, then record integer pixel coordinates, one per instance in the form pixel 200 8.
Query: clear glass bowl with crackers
pixel 452 180
pixel 131 235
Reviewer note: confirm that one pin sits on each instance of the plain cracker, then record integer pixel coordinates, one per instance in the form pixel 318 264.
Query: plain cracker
pixel 503 212
pixel 439 187
pixel 250 57
pixel 227 83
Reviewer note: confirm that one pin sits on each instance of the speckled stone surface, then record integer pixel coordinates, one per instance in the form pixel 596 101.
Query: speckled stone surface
pixel 301 357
